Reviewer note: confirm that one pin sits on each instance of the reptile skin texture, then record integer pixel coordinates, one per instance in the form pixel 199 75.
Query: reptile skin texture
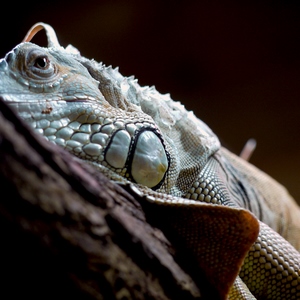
pixel 241 225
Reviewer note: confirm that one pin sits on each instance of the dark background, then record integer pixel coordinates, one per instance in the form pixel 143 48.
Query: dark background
pixel 235 63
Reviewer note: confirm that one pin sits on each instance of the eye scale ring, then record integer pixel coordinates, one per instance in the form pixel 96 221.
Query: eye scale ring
pixel 38 65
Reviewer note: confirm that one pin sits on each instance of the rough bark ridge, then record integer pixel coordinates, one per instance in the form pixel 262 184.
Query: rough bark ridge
pixel 67 230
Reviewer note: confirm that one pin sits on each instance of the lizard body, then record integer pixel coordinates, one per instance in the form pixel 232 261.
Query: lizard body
pixel 138 136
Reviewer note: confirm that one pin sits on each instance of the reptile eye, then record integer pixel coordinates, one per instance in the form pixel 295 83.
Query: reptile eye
pixel 42 62
pixel 40 65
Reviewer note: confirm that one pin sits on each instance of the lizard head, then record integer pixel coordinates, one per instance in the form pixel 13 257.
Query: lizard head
pixel 94 112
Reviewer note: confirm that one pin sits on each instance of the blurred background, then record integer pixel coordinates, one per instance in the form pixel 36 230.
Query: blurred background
pixel 235 63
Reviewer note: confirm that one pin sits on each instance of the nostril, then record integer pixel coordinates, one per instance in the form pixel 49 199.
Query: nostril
pixel 3 64
pixel 9 56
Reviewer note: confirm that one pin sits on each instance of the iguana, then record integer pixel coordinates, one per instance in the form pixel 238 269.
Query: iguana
pixel 167 156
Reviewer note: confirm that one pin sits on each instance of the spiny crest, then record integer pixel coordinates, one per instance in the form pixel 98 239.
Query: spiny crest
pixel 160 107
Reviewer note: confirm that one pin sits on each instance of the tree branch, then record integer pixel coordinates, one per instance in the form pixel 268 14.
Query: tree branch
pixel 68 231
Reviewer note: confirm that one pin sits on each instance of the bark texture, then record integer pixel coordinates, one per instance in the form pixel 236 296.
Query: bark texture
pixel 67 231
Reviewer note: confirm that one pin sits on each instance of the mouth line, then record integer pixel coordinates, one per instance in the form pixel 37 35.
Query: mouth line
pixel 75 100
pixel 8 99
